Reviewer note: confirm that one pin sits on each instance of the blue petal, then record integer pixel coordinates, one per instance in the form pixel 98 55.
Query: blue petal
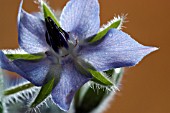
pixel 38 15
pixel 6 64
pixel 9 80
pixel 70 81
pixel 116 49
pixel 81 18
pixel 33 71
pixel 31 31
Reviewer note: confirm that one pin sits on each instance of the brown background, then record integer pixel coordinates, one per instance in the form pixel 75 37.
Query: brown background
pixel 145 88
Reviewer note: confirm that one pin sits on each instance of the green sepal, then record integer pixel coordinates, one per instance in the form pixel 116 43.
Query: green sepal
pixel 18 89
pixel 48 13
pixel 23 56
pixel 103 32
pixel 44 92
pixel 100 78
pixel 88 99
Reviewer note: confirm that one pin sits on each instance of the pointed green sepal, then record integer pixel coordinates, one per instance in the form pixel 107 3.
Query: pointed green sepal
pixel 100 78
pixel 18 89
pixel 103 32
pixel 48 13
pixel 44 93
pixel 23 56
pixel 89 100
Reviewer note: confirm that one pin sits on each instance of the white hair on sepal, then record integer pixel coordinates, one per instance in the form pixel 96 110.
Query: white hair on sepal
pixel 33 110
pixel 14 51
pixel 122 19
pixel 24 96
pixel 40 2
pixel 44 103
pixel 104 104
pixel 21 96
pixel 20 99
pixel 96 86
pixel 48 103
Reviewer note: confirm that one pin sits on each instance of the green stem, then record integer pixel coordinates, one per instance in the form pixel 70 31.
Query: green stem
pixel 18 89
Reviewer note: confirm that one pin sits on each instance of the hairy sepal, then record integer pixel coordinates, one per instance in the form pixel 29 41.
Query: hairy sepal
pixel 21 54
pixel 94 98
pixel 117 23
pixel 44 93
pixel 100 78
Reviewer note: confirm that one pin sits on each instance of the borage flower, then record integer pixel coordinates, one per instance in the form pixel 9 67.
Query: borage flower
pixel 67 51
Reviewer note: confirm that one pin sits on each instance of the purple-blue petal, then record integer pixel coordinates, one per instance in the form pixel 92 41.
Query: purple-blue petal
pixel 116 49
pixel 6 64
pixel 38 15
pixel 70 81
pixel 81 18
pixel 31 31
pixel 34 71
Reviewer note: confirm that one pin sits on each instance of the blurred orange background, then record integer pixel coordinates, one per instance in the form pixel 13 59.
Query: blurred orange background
pixel 146 87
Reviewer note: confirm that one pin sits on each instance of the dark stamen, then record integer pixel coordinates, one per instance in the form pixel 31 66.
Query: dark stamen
pixel 47 38
pixel 56 37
